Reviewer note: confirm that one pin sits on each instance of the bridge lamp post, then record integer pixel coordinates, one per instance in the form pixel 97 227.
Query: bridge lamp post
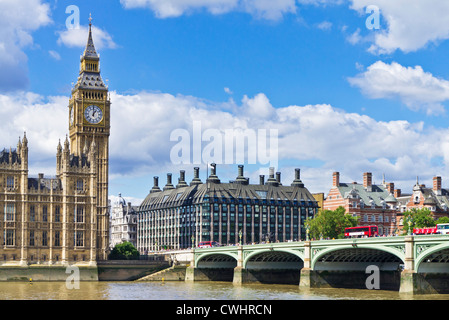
pixel 409 221
pixel 240 236
pixel 193 241
pixel 307 225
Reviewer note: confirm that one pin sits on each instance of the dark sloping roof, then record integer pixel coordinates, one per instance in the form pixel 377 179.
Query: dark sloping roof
pixel 79 161
pixel 91 81
pixel 377 195
pixel 4 156
pixel 44 184
pixel 89 51
pixel 223 192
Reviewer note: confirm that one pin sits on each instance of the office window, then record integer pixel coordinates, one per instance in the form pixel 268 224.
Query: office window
pixel 79 238
pixel 79 185
pixel 31 238
pixel 79 214
pixel 57 239
pixel 10 212
pixel 32 213
pixel 9 236
pixel 44 238
pixel 10 182
pixel 44 213
pixel 57 214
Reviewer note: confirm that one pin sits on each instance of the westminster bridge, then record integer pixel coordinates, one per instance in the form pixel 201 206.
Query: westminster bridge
pixel 409 264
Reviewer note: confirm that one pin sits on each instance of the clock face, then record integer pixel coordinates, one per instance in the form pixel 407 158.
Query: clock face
pixel 93 114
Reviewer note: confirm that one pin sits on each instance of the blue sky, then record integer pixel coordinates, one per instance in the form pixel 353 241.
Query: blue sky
pixel 343 97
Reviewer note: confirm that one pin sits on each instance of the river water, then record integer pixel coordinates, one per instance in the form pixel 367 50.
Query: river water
pixel 183 291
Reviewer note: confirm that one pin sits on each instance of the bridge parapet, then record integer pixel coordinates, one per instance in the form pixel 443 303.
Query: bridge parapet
pixel 411 254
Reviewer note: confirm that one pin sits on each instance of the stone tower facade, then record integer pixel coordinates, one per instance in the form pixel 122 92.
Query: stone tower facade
pixel 63 219
pixel 89 124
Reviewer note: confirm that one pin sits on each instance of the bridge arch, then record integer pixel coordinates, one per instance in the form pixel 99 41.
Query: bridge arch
pixel 364 254
pixel 213 259
pixel 438 254
pixel 290 258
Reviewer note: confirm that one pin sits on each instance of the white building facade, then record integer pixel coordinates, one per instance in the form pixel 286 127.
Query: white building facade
pixel 123 223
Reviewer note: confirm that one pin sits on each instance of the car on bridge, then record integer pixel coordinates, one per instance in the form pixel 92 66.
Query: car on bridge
pixel 361 232
pixel 208 244
pixel 441 228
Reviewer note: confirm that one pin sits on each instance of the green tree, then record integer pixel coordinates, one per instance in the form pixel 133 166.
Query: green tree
pixel 330 224
pixel 420 218
pixel 124 251
pixel 443 220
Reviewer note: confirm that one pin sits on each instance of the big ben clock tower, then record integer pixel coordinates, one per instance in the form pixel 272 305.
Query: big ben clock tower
pixel 89 128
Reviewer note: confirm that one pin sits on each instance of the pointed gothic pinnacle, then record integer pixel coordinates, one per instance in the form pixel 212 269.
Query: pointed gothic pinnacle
pixel 86 148
pixel 66 143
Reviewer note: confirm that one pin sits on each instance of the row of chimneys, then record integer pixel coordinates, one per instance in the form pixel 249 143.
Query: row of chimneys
pixel 272 180
pixel 367 183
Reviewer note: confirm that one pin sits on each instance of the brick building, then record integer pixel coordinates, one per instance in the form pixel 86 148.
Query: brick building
pixel 373 204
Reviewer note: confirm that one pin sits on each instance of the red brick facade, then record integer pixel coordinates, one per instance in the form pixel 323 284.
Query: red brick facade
pixel 373 204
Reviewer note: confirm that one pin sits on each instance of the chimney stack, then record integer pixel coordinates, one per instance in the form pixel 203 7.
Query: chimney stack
pixel 196 176
pixel 367 181
pixel 336 179
pixel 213 174
pixel 278 177
pixel 437 185
pixel 155 185
pixel 169 184
pixel 297 182
pixel 397 193
pixel 271 179
pixel 182 179
pixel 240 178
pixel 390 187
pixel 261 179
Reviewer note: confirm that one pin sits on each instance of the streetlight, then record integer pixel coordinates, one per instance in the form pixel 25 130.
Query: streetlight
pixel 240 236
pixel 307 230
pixel 409 221
pixel 193 241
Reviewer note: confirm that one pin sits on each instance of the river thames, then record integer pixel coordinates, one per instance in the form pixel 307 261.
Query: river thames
pixel 179 290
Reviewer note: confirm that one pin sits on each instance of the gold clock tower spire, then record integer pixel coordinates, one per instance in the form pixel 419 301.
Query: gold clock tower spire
pixel 89 127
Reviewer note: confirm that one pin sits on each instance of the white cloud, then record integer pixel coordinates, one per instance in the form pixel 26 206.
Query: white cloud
pixel 42 119
pixel 54 55
pixel 325 26
pixel 77 37
pixel 227 90
pixel 258 107
pixel 417 89
pixel 411 24
pixel 355 37
pixel 18 20
pixel 141 125
pixel 263 9
pixel 268 9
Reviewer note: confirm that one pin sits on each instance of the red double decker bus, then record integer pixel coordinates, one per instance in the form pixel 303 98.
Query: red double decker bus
pixel 361 232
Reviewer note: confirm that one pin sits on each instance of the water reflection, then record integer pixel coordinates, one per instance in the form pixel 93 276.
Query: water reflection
pixel 190 291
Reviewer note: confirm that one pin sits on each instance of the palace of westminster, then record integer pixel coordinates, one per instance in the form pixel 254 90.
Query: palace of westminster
pixel 63 220
pixel 66 219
